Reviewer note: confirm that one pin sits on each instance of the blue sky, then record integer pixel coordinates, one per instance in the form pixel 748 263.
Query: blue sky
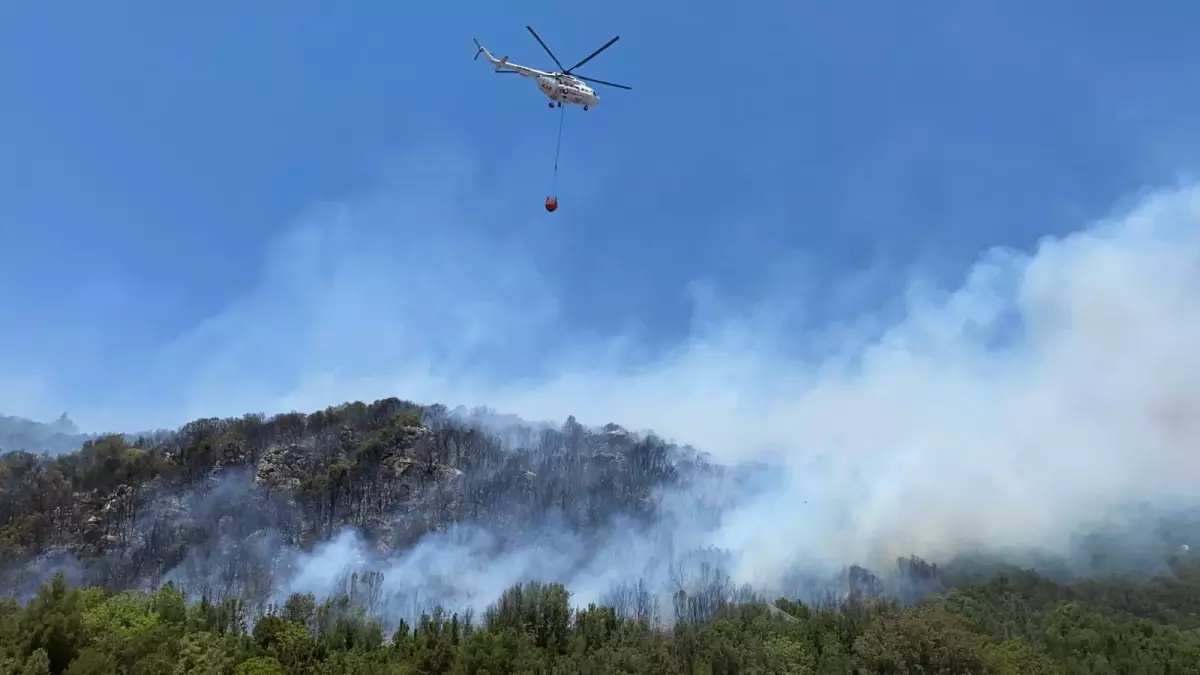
pixel 208 208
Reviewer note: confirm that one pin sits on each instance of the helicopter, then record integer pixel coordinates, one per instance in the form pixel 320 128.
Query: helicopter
pixel 561 86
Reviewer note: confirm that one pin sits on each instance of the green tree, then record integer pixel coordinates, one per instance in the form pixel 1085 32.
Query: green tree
pixel 926 640
pixel 260 665
pixel 202 653
pixel 53 623
pixel 38 663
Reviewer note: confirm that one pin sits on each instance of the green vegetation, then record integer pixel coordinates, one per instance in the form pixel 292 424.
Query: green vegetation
pixel 1017 623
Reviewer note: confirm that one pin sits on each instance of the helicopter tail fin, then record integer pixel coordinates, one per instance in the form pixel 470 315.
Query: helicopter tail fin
pixel 480 49
pixel 498 63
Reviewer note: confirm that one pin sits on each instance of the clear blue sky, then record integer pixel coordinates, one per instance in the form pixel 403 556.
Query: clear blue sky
pixel 163 166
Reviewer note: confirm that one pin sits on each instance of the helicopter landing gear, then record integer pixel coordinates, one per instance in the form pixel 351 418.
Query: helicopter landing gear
pixel 585 107
pixel 551 104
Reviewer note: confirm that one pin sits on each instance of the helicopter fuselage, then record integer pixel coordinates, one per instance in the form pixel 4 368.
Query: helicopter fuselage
pixel 567 90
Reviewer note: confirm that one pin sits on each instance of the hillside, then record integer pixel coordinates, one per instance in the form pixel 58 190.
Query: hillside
pixel 126 512
pixel 297 543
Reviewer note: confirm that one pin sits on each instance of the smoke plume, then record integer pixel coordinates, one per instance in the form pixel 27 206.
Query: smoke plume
pixel 1052 394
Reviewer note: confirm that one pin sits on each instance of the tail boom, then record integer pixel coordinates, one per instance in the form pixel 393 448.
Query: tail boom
pixel 502 63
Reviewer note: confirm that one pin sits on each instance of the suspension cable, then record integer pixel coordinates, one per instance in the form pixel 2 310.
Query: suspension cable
pixel 557 148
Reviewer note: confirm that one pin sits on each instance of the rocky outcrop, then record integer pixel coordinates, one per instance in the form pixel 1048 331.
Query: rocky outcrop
pixel 283 467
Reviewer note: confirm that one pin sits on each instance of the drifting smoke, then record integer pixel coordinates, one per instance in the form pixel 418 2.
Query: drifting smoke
pixel 1053 395
pixel 1048 397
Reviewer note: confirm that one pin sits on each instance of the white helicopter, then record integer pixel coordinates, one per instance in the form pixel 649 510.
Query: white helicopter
pixel 561 87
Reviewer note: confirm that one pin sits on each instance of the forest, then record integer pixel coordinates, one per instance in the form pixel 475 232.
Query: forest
pixel 176 552
pixel 1016 623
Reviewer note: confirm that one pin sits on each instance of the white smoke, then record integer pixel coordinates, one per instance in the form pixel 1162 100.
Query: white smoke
pixel 1052 389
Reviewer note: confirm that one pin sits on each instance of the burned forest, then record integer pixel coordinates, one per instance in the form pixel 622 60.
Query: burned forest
pixel 221 505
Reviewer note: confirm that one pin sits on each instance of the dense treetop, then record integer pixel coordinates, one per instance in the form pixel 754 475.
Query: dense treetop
pixel 1018 624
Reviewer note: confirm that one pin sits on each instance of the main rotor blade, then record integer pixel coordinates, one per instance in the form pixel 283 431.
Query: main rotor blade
pixel 610 84
pixel 593 54
pixel 543 44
